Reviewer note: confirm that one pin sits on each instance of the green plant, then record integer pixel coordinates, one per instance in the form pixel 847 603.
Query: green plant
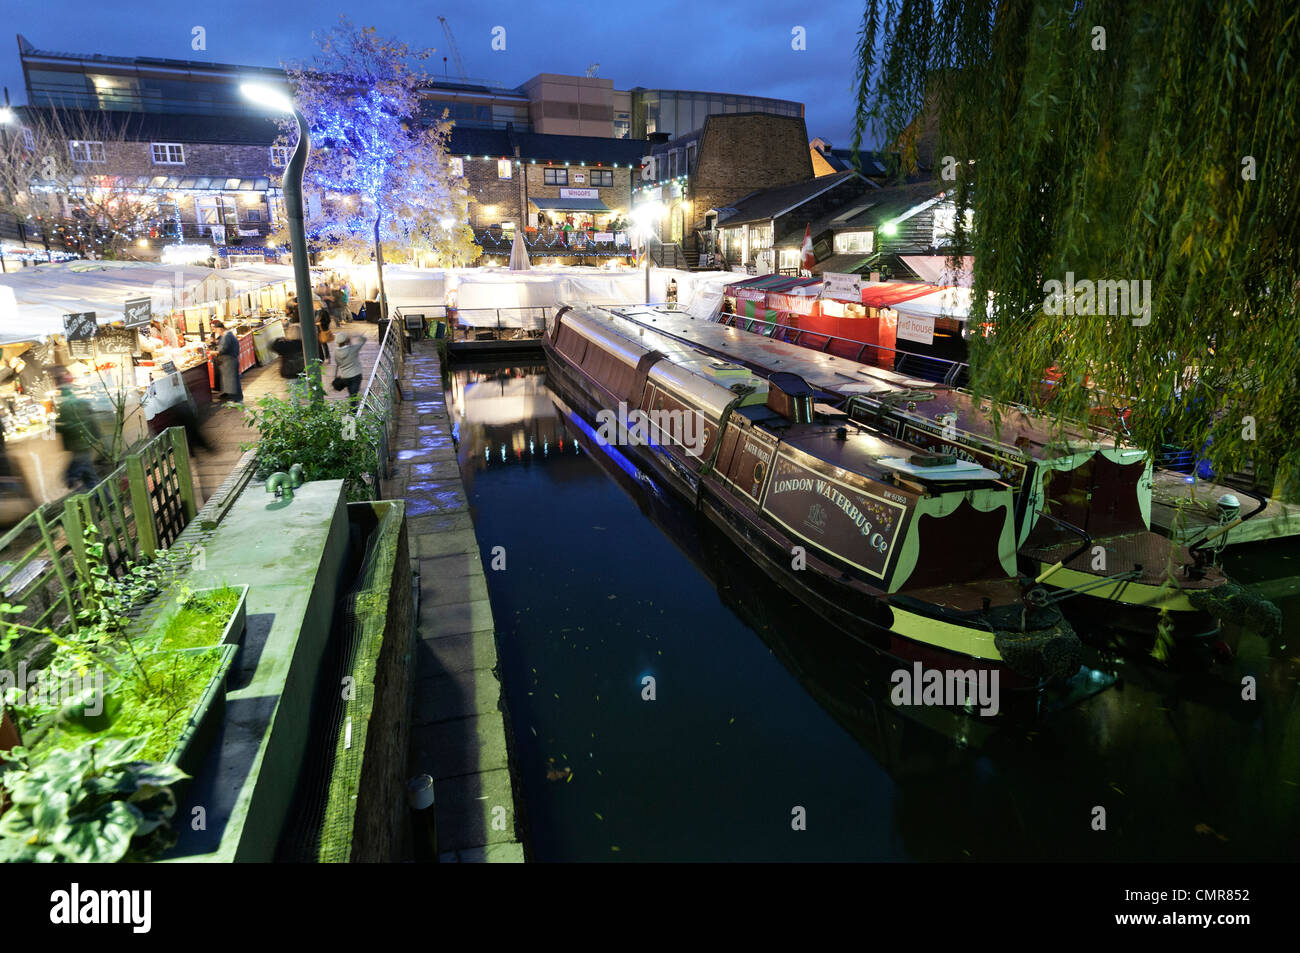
pixel 199 618
pixel 324 436
pixel 95 804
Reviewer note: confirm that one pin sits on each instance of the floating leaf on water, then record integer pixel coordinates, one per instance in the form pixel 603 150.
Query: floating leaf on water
pixel 1115 787
pixel 614 849
pixel 598 817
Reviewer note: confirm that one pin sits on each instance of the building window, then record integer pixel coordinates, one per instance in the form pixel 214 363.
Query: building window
pixel 28 139
pixel 555 176
pixel 279 157
pixel 505 169
pixel 789 258
pixel 86 151
pixel 690 158
pixel 168 153
pixel 457 166
pixel 622 128
pixel 253 215
pixel 602 178
pixel 854 243
pixel 216 210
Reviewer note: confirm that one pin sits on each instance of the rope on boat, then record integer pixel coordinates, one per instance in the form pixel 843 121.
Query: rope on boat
pixel 1232 602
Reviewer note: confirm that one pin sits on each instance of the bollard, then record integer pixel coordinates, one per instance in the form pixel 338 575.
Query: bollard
pixel 424 818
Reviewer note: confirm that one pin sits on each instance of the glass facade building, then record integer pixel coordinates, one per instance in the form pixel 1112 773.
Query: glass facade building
pixel 678 112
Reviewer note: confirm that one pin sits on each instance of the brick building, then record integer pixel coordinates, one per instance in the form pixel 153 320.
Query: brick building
pixel 538 183
pixel 687 180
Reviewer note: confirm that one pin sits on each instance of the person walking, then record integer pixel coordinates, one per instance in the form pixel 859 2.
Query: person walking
pixel 325 334
pixel 347 362
pixel 228 363
pixel 76 425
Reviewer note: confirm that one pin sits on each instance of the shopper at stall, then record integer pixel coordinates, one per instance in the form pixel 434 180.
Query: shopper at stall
pixel 325 334
pixel 76 425
pixel 347 362
pixel 228 364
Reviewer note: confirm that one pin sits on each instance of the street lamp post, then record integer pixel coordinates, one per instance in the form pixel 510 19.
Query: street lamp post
pixel 293 172
pixel 6 117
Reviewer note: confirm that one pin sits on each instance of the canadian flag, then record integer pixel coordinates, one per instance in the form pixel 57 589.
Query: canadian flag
pixel 806 259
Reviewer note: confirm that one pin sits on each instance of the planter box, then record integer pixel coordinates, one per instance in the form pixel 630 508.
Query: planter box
pixel 206 719
pixel 238 624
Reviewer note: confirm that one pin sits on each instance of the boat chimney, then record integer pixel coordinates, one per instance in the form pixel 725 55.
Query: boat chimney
pixel 790 396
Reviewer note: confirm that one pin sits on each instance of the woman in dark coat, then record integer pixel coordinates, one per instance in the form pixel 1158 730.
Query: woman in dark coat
pixel 228 364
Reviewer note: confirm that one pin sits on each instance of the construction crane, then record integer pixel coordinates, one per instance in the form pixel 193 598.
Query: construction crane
pixel 451 48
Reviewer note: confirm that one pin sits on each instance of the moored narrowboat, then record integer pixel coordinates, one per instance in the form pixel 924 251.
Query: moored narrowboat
pixel 906 550
pixel 1082 499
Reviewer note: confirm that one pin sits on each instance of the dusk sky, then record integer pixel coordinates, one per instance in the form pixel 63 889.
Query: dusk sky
pixel 736 46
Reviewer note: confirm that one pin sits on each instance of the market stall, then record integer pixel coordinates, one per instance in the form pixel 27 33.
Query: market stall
pixel 125 332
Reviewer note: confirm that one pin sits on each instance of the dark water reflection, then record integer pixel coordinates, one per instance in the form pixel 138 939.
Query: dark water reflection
pixel 760 709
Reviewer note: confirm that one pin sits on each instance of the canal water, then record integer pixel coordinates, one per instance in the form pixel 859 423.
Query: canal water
pixel 760 716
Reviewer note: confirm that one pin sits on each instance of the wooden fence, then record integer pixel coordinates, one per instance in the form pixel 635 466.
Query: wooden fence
pixel 141 507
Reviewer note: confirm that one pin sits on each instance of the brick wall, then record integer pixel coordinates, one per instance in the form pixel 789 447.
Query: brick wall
pixel 207 159
pixel 618 196
pixel 495 199
pixel 745 153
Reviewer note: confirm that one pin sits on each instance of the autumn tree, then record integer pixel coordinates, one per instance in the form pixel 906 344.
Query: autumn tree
pixel 378 165
pixel 58 175
pixel 1155 144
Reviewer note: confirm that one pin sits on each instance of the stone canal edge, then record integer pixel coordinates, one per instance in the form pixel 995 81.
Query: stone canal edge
pixel 460 730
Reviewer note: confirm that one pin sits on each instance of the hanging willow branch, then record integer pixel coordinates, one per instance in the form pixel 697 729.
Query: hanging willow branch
pixel 1113 141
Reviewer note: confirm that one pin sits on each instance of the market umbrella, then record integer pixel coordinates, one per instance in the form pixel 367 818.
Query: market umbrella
pixel 518 253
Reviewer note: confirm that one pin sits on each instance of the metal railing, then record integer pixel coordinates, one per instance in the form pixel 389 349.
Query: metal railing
pixel 498 324
pixel 139 508
pixel 381 395
pixel 938 369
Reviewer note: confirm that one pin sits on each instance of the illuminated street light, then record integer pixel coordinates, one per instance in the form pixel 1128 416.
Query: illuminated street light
pixel 277 101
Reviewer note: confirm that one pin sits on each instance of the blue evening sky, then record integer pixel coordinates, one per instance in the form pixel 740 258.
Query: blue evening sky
pixel 733 46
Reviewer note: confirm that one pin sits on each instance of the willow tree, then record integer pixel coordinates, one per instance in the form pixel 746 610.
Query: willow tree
pixel 1111 141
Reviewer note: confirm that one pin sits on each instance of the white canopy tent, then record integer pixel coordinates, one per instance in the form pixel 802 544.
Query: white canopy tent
pixel 949 303
pixel 33 301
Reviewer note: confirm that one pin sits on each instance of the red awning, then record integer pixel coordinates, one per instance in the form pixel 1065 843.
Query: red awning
pixel 889 293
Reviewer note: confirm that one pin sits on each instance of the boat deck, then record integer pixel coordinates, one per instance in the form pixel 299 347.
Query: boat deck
pixel 1171 493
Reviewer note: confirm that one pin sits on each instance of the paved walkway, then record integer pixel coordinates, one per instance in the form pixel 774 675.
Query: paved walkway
pixel 459 731
pixel 224 425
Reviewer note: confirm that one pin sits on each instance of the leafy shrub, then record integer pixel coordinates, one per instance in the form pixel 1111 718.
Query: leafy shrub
pixel 97 804
pixel 323 435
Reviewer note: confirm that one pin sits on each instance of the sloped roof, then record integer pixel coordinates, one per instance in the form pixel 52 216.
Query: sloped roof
pixel 770 203
pixel 885 205
pixel 165 127
pixel 544 147
pixel 873 163
pixel 479 142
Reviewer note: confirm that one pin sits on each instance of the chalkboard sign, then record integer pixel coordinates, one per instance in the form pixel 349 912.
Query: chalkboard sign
pixel 80 327
pixel 138 312
pixel 112 340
